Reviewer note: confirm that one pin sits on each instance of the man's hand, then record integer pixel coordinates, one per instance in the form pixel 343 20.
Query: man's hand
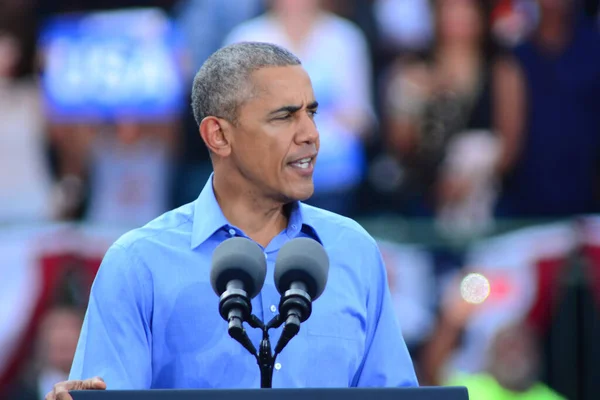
pixel 61 390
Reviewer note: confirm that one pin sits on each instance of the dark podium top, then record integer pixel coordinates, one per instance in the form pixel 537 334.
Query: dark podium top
pixel 422 393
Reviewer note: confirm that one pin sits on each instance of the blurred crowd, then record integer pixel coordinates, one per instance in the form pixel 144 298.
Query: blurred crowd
pixel 460 113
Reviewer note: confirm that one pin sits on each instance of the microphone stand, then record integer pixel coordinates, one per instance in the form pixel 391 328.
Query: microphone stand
pixel 296 304
pixel 265 358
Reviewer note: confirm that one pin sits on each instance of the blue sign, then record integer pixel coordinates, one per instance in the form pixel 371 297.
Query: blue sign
pixel 106 65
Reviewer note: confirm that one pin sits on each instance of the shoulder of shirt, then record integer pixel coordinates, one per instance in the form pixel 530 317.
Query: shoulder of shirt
pixel 327 224
pixel 172 223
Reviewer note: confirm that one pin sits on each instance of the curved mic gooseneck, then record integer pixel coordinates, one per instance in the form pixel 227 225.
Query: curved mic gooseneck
pixel 235 307
pixel 296 306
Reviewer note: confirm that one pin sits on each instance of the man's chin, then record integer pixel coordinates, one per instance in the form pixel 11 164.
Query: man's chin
pixel 301 192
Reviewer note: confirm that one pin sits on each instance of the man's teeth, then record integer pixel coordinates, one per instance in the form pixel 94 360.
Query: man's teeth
pixel 303 163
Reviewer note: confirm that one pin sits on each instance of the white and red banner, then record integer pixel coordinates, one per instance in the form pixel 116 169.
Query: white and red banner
pixel 35 265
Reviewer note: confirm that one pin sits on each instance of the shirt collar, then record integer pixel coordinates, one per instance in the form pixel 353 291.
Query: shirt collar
pixel 208 218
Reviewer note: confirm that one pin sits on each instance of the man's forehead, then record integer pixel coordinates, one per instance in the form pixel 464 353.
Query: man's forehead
pixel 283 84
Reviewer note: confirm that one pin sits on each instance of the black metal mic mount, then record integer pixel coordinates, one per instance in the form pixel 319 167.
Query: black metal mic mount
pixel 295 305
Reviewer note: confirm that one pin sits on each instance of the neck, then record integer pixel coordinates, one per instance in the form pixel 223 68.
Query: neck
pixel 260 217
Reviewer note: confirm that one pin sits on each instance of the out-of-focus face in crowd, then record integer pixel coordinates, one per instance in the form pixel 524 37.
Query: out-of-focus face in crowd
pixel 295 7
pixel 459 20
pixel 59 333
pixel 514 358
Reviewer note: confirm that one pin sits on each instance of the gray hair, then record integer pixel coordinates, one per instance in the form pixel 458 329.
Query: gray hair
pixel 222 82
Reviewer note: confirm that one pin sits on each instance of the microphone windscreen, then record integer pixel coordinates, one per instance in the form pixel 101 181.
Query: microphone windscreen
pixel 304 260
pixel 238 258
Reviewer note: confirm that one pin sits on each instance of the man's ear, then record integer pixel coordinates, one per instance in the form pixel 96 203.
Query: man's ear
pixel 213 132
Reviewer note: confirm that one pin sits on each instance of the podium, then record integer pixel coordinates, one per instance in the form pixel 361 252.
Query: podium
pixel 419 393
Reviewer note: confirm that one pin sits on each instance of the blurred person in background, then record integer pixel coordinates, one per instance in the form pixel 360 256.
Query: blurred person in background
pixel 130 166
pixel 513 358
pixel 69 147
pixel 550 159
pixel 25 180
pixel 336 56
pixel 54 351
pixel 439 120
pixel 113 173
pixel 513 369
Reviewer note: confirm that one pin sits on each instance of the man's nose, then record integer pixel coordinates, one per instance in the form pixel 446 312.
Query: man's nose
pixel 307 130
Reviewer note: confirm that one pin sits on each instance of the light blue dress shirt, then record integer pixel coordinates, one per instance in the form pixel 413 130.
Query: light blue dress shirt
pixel 153 319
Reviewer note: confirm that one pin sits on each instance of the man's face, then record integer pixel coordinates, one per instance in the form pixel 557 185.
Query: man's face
pixel 275 142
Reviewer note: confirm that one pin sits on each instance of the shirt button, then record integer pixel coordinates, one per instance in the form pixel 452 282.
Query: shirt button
pixel 277 366
pixel 273 308
pixel 232 232
pixel 293 226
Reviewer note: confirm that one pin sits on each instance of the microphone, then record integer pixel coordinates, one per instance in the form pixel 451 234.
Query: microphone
pixel 301 271
pixel 237 275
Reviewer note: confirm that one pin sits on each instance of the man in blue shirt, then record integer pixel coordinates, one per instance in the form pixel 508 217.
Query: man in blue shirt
pixel 153 319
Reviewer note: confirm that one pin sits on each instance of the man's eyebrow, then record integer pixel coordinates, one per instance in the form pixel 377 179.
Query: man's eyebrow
pixel 313 105
pixel 289 109
pixel 293 109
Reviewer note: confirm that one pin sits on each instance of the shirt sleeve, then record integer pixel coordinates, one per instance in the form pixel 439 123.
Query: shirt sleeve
pixel 387 362
pixel 115 340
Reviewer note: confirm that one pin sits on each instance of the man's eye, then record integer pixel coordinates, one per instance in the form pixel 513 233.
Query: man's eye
pixel 284 117
pixel 312 113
